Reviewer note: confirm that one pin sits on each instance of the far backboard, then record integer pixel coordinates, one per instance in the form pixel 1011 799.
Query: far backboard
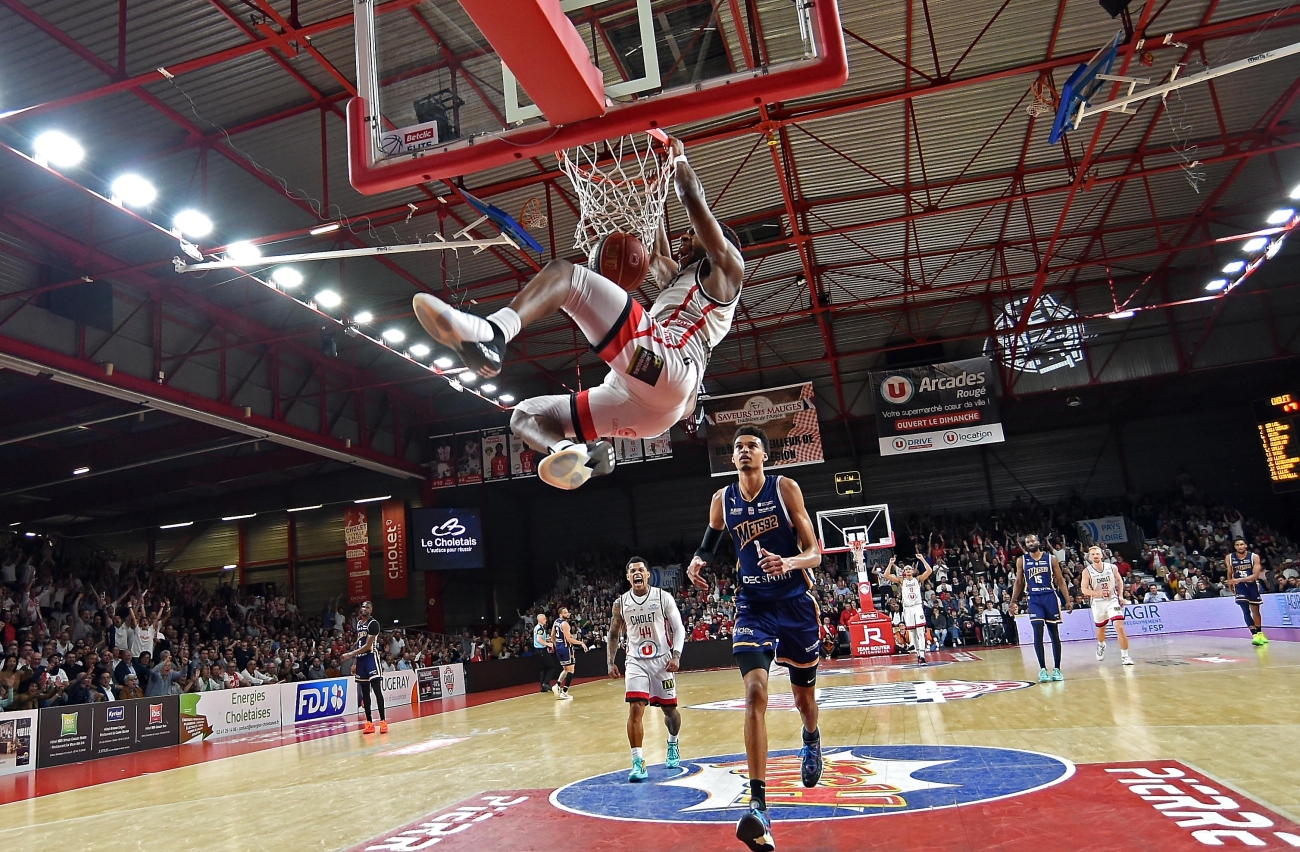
pixel 837 529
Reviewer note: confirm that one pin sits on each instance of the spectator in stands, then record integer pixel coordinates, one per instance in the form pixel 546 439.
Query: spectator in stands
pixel 250 676
pixel 131 689
pixel 104 689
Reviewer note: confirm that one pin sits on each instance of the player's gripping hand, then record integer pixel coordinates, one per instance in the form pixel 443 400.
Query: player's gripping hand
pixel 773 564
pixel 693 573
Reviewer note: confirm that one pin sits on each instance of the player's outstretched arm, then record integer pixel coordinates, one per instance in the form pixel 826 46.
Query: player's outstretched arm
pixel 929 569
pixel 662 266
pixel 712 535
pixel 723 256
pixel 887 573
pixel 615 631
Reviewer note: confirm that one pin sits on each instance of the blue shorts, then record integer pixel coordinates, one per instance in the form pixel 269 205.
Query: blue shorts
pixel 1045 606
pixel 1248 592
pixel 788 628
pixel 365 668
pixel 564 654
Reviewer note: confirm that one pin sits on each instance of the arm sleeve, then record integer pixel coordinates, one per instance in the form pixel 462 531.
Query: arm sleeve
pixel 373 627
pixel 674 620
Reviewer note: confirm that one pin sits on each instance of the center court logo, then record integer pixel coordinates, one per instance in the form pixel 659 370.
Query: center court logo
pixel 861 781
pixel 883 694
pixel 897 389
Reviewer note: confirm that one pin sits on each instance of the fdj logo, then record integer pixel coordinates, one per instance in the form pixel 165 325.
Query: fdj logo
pixel 320 701
pixel 856 782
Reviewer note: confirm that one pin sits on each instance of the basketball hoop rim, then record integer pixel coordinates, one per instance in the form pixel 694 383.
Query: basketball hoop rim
pixel 889 545
pixel 595 176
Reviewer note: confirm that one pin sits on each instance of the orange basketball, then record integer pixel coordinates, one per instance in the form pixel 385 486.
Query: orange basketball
pixel 622 259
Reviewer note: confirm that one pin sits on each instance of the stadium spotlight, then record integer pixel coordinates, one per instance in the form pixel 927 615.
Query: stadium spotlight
pixel 287 277
pixel 192 223
pixel 1254 245
pixel 1281 216
pixel 243 252
pixel 133 191
pixel 328 299
pixel 363 317
pixel 54 148
pixel 393 335
pixel 419 350
pixel 1216 285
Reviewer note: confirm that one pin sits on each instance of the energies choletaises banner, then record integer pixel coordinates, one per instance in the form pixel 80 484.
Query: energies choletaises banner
pixel 936 407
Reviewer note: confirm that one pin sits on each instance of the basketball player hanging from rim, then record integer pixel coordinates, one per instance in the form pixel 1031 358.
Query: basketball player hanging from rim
pixel 655 636
pixel 1040 573
pixel 913 600
pixel 776 612
pixel 656 358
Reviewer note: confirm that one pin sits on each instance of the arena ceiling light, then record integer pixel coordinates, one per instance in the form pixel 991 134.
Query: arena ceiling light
pixel 506 398
pixel 78 471
pixel 393 335
pixel 243 252
pixel 488 388
pixel 229 567
pixel 468 378
pixel 1281 216
pixel 239 517
pixel 419 350
pixel 1295 193
pixel 327 228
pixel 363 317
pixel 133 191
pixel 287 277
pixel 1234 267
pixel 1216 285
pixel 373 499
pixel 192 223
pixel 443 363
pixel 176 526
pixel 30 534
pixel 58 149
pixel 1119 315
pixel 328 299
pixel 304 508
pixel 1253 245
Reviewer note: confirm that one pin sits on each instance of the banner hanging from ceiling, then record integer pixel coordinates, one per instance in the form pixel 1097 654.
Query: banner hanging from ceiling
pixel 936 407
pixel 356 543
pixel 392 541
pixel 787 414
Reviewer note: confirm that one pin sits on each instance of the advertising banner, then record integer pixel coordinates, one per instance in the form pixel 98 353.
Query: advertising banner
pixel 1109 530
pixel 628 450
pixel 523 458
pixel 17 741
pixel 442 451
pixel 356 543
pixel 229 711
pixel 938 407
pixel 63 735
pixel 659 447
pixel 446 539
pixel 392 543
pixel 399 688
pixel 469 458
pixel 437 682
pixel 1171 617
pixel 786 414
pixel 317 700
pixel 496 456
pixel 1281 610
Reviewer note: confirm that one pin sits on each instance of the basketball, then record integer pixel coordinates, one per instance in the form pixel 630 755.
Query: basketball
pixel 621 258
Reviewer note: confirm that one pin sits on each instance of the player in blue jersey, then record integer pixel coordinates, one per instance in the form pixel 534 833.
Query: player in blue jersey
pixel 562 636
pixel 1244 573
pixel 776 612
pixel 366 668
pixel 1040 573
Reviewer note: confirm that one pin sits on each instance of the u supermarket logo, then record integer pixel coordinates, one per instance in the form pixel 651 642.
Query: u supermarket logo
pixel 897 390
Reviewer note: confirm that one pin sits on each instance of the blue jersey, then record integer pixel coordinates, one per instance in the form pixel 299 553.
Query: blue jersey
pixel 1242 567
pixel 561 646
pixel 367 665
pixel 1038 574
pixel 763 522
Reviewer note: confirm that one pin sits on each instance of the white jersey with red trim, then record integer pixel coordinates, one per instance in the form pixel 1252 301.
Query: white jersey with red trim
pixel 648 620
pixel 684 311
pixel 1103 580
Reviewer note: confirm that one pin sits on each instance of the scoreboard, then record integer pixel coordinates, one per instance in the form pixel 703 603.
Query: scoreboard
pixel 1279 434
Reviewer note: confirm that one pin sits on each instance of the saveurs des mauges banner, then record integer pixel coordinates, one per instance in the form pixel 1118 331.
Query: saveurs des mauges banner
pixel 937 407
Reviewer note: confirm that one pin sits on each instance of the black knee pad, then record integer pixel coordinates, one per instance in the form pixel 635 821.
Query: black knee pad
pixel 751 660
pixel 805 677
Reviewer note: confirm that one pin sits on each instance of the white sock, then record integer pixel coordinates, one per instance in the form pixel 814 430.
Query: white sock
pixel 672 738
pixel 561 445
pixel 636 752
pixel 508 321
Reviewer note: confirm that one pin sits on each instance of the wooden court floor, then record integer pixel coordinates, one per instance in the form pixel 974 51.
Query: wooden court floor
pixel 1195 746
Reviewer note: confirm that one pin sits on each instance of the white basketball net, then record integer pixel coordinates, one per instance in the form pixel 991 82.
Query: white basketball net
pixel 622 185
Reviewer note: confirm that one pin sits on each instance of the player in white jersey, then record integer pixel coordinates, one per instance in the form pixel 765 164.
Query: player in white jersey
pixel 655 636
pixel 913 601
pixel 1102 583
pixel 657 357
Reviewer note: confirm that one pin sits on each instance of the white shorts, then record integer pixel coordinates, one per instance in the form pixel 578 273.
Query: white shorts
pixel 650 681
pixel 913 617
pixel 1106 610
pixel 651 384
